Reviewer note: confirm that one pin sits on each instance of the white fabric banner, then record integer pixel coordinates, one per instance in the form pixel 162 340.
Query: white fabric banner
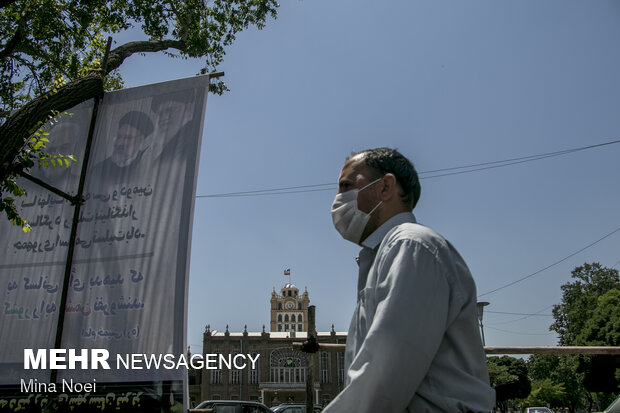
pixel 128 287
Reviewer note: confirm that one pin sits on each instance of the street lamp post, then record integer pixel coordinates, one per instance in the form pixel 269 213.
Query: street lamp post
pixel 480 306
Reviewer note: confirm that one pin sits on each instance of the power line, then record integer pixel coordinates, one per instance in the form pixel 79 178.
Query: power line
pixel 527 158
pixel 520 333
pixel 527 314
pixel 551 265
pixel 457 170
pixel 266 192
pixel 521 318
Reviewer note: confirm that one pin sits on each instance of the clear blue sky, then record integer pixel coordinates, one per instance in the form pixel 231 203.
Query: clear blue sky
pixel 448 83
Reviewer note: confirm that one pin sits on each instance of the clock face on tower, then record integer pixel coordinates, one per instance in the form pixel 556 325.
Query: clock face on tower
pixel 289 305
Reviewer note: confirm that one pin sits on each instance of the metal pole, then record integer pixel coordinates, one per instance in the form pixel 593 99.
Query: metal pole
pixel 311 361
pixel 480 306
pixel 76 215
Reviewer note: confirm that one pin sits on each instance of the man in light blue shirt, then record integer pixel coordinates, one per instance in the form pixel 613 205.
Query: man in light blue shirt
pixel 413 343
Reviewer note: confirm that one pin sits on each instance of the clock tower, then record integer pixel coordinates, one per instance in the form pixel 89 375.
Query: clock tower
pixel 289 310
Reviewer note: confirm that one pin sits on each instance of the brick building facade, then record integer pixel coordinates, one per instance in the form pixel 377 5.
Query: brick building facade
pixel 281 372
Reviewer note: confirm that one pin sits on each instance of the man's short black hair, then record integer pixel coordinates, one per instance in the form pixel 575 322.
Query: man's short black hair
pixel 387 160
pixel 138 120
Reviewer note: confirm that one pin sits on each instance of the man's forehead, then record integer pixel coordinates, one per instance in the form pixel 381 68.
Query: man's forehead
pixel 354 167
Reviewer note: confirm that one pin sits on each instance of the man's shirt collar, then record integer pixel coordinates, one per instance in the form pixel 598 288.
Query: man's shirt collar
pixel 374 239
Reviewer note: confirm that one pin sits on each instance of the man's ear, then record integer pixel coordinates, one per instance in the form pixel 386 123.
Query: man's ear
pixel 389 187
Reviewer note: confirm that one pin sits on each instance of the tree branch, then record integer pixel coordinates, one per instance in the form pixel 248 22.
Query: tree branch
pixel 10 46
pixel 4 3
pixel 18 127
pixel 118 55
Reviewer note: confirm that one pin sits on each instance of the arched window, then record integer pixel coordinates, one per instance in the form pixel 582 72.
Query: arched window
pixel 287 366
pixel 279 318
pixel 293 318
pixel 286 318
pixel 279 306
pixel 300 318
pixel 299 306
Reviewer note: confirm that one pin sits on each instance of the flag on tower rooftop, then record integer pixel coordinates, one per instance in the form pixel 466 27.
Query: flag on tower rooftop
pixel 287 271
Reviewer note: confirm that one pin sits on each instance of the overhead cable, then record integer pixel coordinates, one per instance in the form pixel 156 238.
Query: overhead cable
pixel 550 265
pixel 520 333
pixel 457 170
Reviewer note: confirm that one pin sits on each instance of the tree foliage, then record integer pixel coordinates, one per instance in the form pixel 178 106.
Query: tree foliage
pixel 546 393
pixel 51 55
pixel 579 301
pixel 588 315
pixel 508 376
pixel 560 371
pixel 602 372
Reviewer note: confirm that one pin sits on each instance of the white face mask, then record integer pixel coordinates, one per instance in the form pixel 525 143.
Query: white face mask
pixel 349 221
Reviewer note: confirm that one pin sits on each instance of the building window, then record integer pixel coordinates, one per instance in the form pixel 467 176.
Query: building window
pixel 286 318
pixel 300 327
pixel 340 362
pixel 279 306
pixel 292 327
pixel 279 327
pixel 285 327
pixel 299 306
pixel 253 372
pixel 253 376
pixel 293 318
pixel 300 318
pixel 216 377
pixel 287 366
pixel 279 318
pixel 324 363
pixel 234 376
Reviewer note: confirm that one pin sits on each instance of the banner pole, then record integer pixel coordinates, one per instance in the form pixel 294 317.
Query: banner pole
pixel 74 224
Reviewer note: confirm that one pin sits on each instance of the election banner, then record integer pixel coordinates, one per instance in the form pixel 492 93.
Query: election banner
pixel 126 302
pixel 32 265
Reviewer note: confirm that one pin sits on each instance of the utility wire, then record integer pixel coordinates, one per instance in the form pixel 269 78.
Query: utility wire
pixel 457 170
pixel 520 318
pixel 520 333
pixel 265 192
pixel 529 157
pixel 551 265
pixel 527 314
